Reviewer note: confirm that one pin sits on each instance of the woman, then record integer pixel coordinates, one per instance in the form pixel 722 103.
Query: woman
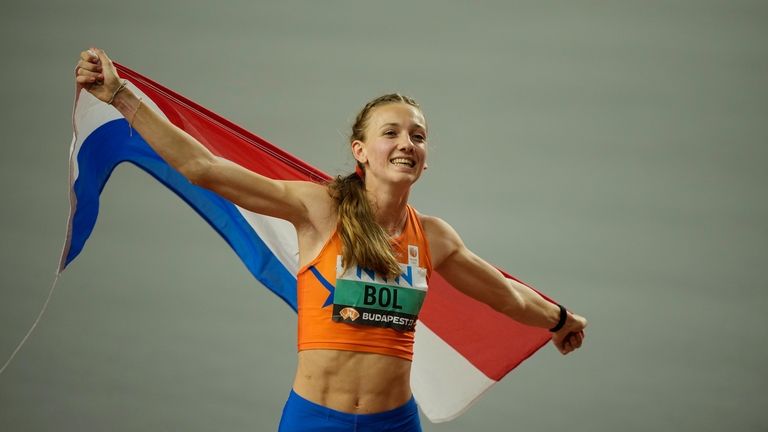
pixel 365 258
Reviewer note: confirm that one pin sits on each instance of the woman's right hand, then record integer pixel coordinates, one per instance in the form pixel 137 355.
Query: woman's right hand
pixel 96 74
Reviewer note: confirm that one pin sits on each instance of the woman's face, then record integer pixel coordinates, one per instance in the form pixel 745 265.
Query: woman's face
pixel 395 146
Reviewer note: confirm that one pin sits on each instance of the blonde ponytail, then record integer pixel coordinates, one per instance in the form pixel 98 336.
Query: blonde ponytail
pixel 364 242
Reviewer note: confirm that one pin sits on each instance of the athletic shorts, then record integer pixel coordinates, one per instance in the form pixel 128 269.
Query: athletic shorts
pixel 300 414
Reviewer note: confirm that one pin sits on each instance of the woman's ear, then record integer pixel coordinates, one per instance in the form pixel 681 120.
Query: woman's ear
pixel 358 151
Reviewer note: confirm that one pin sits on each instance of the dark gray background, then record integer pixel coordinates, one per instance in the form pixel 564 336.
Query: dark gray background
pixel 612 154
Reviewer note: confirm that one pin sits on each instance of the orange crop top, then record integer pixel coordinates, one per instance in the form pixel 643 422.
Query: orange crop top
pixel 358 310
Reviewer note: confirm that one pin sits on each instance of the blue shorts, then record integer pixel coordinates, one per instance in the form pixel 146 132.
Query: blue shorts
pixel 300 414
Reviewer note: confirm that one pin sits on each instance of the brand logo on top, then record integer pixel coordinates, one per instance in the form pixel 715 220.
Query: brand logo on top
pixel 363 274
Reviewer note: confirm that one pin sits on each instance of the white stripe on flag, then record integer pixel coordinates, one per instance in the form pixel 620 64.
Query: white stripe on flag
pixel 443 382
pixel 91 113
pixel 279 235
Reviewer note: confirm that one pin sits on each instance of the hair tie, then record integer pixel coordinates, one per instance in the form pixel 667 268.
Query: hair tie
pixel 359 171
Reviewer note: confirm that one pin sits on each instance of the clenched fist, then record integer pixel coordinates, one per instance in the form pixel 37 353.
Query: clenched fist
pixel 97 75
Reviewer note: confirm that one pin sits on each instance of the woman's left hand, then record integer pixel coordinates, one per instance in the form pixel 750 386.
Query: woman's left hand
pixel 571 336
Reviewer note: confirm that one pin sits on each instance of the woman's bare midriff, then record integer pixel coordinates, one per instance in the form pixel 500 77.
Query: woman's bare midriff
pixel 353 382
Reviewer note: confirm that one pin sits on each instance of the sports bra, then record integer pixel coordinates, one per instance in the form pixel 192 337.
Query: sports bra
pixel 358 310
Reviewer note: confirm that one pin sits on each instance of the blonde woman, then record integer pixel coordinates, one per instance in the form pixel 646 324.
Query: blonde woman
pixel 366 258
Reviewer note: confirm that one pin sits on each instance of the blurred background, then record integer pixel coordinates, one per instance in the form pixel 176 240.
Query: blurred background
pixel 611 154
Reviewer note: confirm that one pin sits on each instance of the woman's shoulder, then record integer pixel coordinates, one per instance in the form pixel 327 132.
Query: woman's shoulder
pixel 319 205
pixel 425 219
pixel 442 238
pixel 432 224
pixel 310 193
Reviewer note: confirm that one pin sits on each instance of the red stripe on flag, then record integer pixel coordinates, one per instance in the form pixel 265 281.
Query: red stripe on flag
pixel 221 136
pixel 491 341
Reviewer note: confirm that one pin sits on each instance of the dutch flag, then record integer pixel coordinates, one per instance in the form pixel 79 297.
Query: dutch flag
pixel 462 347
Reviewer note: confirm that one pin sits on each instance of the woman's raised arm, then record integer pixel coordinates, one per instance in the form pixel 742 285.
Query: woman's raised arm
pixel 291 201
pixel 475 277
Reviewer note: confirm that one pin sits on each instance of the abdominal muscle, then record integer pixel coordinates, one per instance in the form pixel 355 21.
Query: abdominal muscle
pixel 353 382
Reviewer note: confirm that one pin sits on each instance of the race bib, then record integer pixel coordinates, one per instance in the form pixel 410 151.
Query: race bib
pixel 364 297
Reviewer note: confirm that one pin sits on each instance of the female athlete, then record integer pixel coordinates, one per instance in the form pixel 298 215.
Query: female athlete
pixel 359 240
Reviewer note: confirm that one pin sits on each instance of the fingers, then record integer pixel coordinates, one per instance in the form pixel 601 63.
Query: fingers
pixel 577 339
pixel 88 73
pixel 81 79
pixel 88 70
pixel 89 55
pixel 561 343
pixel 89 66
pixel 569 343
pixel 102 57
pixel 95 68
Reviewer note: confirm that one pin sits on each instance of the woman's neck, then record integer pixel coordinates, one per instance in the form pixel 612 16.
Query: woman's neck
pixel 389 205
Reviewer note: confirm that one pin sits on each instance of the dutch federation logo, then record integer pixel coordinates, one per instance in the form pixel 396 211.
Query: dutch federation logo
pixel 349 313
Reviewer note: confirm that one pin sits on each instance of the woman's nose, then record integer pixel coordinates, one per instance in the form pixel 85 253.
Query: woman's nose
pixel 406 144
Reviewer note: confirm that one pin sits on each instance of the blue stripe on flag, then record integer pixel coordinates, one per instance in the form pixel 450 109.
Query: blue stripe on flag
pixel 110 145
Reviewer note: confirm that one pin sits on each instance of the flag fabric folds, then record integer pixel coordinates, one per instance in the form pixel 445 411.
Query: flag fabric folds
pixel 462 346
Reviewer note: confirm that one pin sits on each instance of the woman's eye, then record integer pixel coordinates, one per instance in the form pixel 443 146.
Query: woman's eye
pixel 420 138
pixel 390 133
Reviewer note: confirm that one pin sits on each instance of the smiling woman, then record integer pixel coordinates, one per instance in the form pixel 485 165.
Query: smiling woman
pixel 397 139
pixel 365 255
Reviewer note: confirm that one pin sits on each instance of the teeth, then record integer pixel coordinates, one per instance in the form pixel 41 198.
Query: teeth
pixel 403 161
